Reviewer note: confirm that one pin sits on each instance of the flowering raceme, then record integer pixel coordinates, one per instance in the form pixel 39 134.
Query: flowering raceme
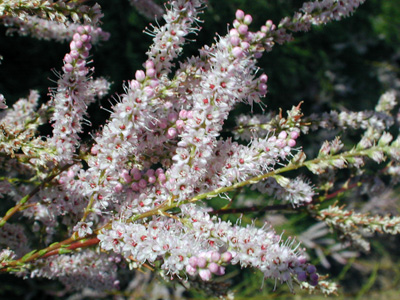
pixel 140 193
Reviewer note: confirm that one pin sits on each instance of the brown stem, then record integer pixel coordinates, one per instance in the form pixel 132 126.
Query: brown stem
pixel 252 209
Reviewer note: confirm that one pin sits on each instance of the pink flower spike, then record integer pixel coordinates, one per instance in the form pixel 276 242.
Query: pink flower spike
pixel 239 14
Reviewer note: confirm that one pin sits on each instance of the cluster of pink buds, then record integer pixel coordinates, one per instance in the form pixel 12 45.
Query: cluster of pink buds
pixel 207 263
pixel 139 180
pixel 80 46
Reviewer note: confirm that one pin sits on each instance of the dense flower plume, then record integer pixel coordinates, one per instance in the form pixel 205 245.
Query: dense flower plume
pixel 139 193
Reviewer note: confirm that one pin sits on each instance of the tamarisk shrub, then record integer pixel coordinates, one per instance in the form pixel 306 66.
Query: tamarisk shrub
pixel 141 192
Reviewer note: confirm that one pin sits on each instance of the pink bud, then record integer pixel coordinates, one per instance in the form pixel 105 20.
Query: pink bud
pixel 72 45
pixel 134 84
pixel 226 257
pixel 81 30
pixel 213 267
pixel 140 76
pixel 78 44
pixel 135 187
pixel 237 52
pixel 201 262
pixel 180 124
pixel 70 174
pixel 171 133
pixel 74 54
pixel 118 188
pixel 159 171
pixel 68 68
pixel 193 261
pixel 205 275
pixel 245 45
pixel 262 87
pixel 183 114
pixel 125 176
pixel 282 135
pixel 136 174
pixel 94 151
pixel 243 29
pixel 151 179
pixel 84 38
pixel 239 14
pixel 215 256
pixel 68 59
pixel 294 134
pixel 264 78
pixel 149 64
pixel 291 143
pixel 233 32
pixel 162 178
pixel 247 19
pixel 150 73
pixel 191 270
pixel 142 183
pixel 172 117
pixel 221 271
pixel 235 40
pixel 149 91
